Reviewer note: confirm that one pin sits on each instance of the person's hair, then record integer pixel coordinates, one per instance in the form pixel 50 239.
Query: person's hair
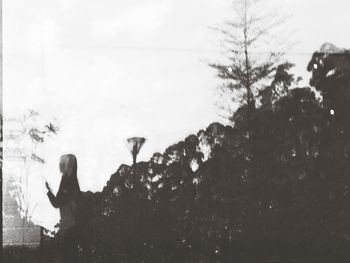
pixel 69 170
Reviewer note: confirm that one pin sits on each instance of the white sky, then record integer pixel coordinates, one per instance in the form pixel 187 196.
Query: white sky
pixel 108 70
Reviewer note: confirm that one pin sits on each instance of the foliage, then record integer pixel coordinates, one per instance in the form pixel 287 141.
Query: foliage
pixel 23 143
pixel 279 193
pixel 249 66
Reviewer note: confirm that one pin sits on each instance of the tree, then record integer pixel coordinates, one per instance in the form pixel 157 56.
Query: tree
pixel 222 196
pixel 330 67
pixel 22 145
pixel 247 65
pixel 282 81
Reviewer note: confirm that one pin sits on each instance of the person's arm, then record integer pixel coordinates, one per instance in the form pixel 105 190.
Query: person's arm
pixel 59 199
pixel 53 200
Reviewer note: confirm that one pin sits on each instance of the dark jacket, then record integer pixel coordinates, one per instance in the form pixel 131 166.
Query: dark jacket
pixel 66 200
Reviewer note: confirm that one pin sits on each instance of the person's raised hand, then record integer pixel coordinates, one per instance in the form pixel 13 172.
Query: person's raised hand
pixel 48 186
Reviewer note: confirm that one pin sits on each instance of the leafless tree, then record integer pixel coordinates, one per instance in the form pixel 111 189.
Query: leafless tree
pixel 254 44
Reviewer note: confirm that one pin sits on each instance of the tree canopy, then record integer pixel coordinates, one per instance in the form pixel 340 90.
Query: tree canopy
pixel 280 194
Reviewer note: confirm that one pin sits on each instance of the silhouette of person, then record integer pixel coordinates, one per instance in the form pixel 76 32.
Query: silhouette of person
pixel 66 200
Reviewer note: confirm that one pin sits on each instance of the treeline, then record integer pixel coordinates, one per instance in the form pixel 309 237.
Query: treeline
pixel 275 187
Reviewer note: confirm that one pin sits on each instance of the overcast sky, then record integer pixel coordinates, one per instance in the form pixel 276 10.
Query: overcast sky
pixel 108 70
